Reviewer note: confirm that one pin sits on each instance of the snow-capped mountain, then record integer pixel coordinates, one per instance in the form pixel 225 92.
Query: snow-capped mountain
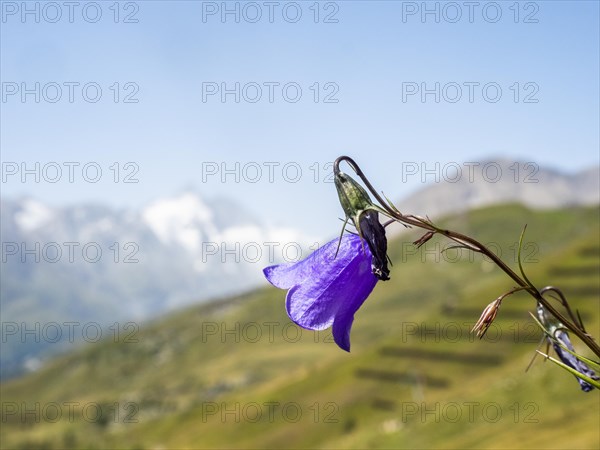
pixel 177 249
pixel 91 263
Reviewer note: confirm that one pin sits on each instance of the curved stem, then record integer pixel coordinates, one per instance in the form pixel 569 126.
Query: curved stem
pixel 362 176
pixel 476 246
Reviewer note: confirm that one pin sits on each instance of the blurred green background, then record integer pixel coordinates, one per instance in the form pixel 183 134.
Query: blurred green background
pixel 236 373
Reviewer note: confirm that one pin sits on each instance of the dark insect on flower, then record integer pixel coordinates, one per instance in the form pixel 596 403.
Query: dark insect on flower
pixel 374 234
pixel 556 329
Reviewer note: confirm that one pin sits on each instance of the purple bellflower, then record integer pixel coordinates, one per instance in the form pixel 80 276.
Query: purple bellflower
pixel 326 289
pixel 556 329
pixel 572 361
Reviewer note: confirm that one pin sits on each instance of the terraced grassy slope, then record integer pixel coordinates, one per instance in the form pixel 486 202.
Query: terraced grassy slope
pixel 237 374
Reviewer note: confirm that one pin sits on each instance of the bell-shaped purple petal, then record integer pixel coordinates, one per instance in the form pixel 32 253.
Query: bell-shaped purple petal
pixel 325 289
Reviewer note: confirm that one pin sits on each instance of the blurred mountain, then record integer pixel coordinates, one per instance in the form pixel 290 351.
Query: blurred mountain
pixel 90 263
pixel 237 373
pixel 453 188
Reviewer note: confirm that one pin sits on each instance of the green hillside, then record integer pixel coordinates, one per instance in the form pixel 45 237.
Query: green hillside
pixel 237 374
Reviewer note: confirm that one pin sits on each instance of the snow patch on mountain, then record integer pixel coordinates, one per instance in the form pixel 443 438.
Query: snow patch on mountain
pixel 33 214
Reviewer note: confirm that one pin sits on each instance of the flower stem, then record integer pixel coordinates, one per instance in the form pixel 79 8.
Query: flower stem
pixel 476 246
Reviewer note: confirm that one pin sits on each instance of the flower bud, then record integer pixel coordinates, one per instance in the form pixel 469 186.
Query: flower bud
pixel 353 198
pixel 487 317
pixel 423 239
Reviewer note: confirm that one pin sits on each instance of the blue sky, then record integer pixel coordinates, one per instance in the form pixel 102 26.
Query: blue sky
pixel 364 61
